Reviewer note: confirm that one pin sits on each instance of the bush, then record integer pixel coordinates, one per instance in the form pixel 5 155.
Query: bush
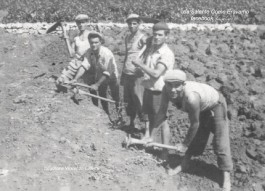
pixel 117 10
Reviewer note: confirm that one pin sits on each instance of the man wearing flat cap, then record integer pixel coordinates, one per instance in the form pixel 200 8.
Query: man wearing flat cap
pixel 102 61
pixel 156 60
pixel 207 111
pixel 131 77
pixel 77 49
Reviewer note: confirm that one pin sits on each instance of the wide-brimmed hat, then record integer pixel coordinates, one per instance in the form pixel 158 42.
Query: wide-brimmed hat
pixel 175 75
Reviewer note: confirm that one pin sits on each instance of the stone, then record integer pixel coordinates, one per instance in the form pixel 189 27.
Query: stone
pixel 208 50
pixel 224 48
pixel 211 75
pixel 261 33
pixel 257 142
pixel 261 158
pixel 202 58
pixel 214 84
pixel 196 68
pixel 191 47
pixel 255 125
pixel 259 71
pixel 201 79
pixel 231 112
pixel 190 77
pixel 254 115
pixel 259 186
pixel 257 87
pixel 251 153
pixel 180 50
pixel 222 78
pixel 184 65
pixel 215 64
pixel 19 99
pixel 242 169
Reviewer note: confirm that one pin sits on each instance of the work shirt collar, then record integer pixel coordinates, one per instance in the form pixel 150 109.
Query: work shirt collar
pixel 97 53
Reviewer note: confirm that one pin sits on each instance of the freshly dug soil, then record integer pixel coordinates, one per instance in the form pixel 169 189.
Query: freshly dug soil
pixel 50 142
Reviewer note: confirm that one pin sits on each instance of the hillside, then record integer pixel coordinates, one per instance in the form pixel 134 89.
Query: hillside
pixel 48 142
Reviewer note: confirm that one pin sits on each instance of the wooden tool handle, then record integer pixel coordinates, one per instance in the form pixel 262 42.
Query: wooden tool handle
pixel 81 92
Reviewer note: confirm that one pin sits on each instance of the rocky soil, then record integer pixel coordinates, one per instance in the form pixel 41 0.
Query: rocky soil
pixel 48 142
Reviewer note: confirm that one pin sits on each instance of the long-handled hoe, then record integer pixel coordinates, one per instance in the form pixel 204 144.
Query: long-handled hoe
pixel 132 141
pixel 74 87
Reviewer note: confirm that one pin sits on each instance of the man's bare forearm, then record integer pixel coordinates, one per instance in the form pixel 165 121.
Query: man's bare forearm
pixel 79 73
pixel 191 133
pixel 101 80
pixel 151 72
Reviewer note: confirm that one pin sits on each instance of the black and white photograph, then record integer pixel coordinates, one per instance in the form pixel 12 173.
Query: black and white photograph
pixel 132 95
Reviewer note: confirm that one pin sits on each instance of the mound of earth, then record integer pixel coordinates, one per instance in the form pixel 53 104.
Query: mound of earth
pixel 50 142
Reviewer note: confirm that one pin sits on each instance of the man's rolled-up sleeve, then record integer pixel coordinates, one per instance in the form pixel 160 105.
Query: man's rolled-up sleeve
pixel 85 64
pixel 106 73
pixel 110 67
pixel 142 42
pixel 167 59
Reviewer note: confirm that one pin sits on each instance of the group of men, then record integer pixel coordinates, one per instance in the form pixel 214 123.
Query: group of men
pixel 150 82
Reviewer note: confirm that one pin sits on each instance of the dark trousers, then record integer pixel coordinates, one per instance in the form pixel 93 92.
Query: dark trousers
pixel 102 92
pixel 133 95
pixel 214 121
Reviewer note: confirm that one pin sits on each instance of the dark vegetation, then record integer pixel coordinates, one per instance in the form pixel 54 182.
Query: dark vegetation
pixel 116 10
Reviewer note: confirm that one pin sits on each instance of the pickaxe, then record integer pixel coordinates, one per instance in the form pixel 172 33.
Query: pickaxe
pixel 54 27
pixel 73 87
pixel 82 92
pixel 119 109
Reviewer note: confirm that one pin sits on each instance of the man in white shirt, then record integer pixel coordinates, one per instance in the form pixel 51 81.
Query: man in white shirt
pixel 102 61
pixel 77 49
pixel 156 60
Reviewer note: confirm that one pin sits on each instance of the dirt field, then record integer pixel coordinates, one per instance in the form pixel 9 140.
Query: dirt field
pixel 50 143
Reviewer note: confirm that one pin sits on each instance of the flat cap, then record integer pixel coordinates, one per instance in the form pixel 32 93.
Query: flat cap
pixel 96 34
pixel 133 16
pixel 81 17
pixel 161 26
pixel 175 75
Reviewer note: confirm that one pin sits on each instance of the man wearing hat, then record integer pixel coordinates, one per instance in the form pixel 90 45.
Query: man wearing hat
pixel 131 77
pixel 103 63
pixel 207 111
pixel 156 60
pixel 76 49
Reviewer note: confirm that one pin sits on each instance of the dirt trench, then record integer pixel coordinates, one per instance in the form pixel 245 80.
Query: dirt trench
pixel 48 142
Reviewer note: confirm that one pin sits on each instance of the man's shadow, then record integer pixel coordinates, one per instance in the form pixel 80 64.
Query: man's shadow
pixel 198 167
pixel 134 132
